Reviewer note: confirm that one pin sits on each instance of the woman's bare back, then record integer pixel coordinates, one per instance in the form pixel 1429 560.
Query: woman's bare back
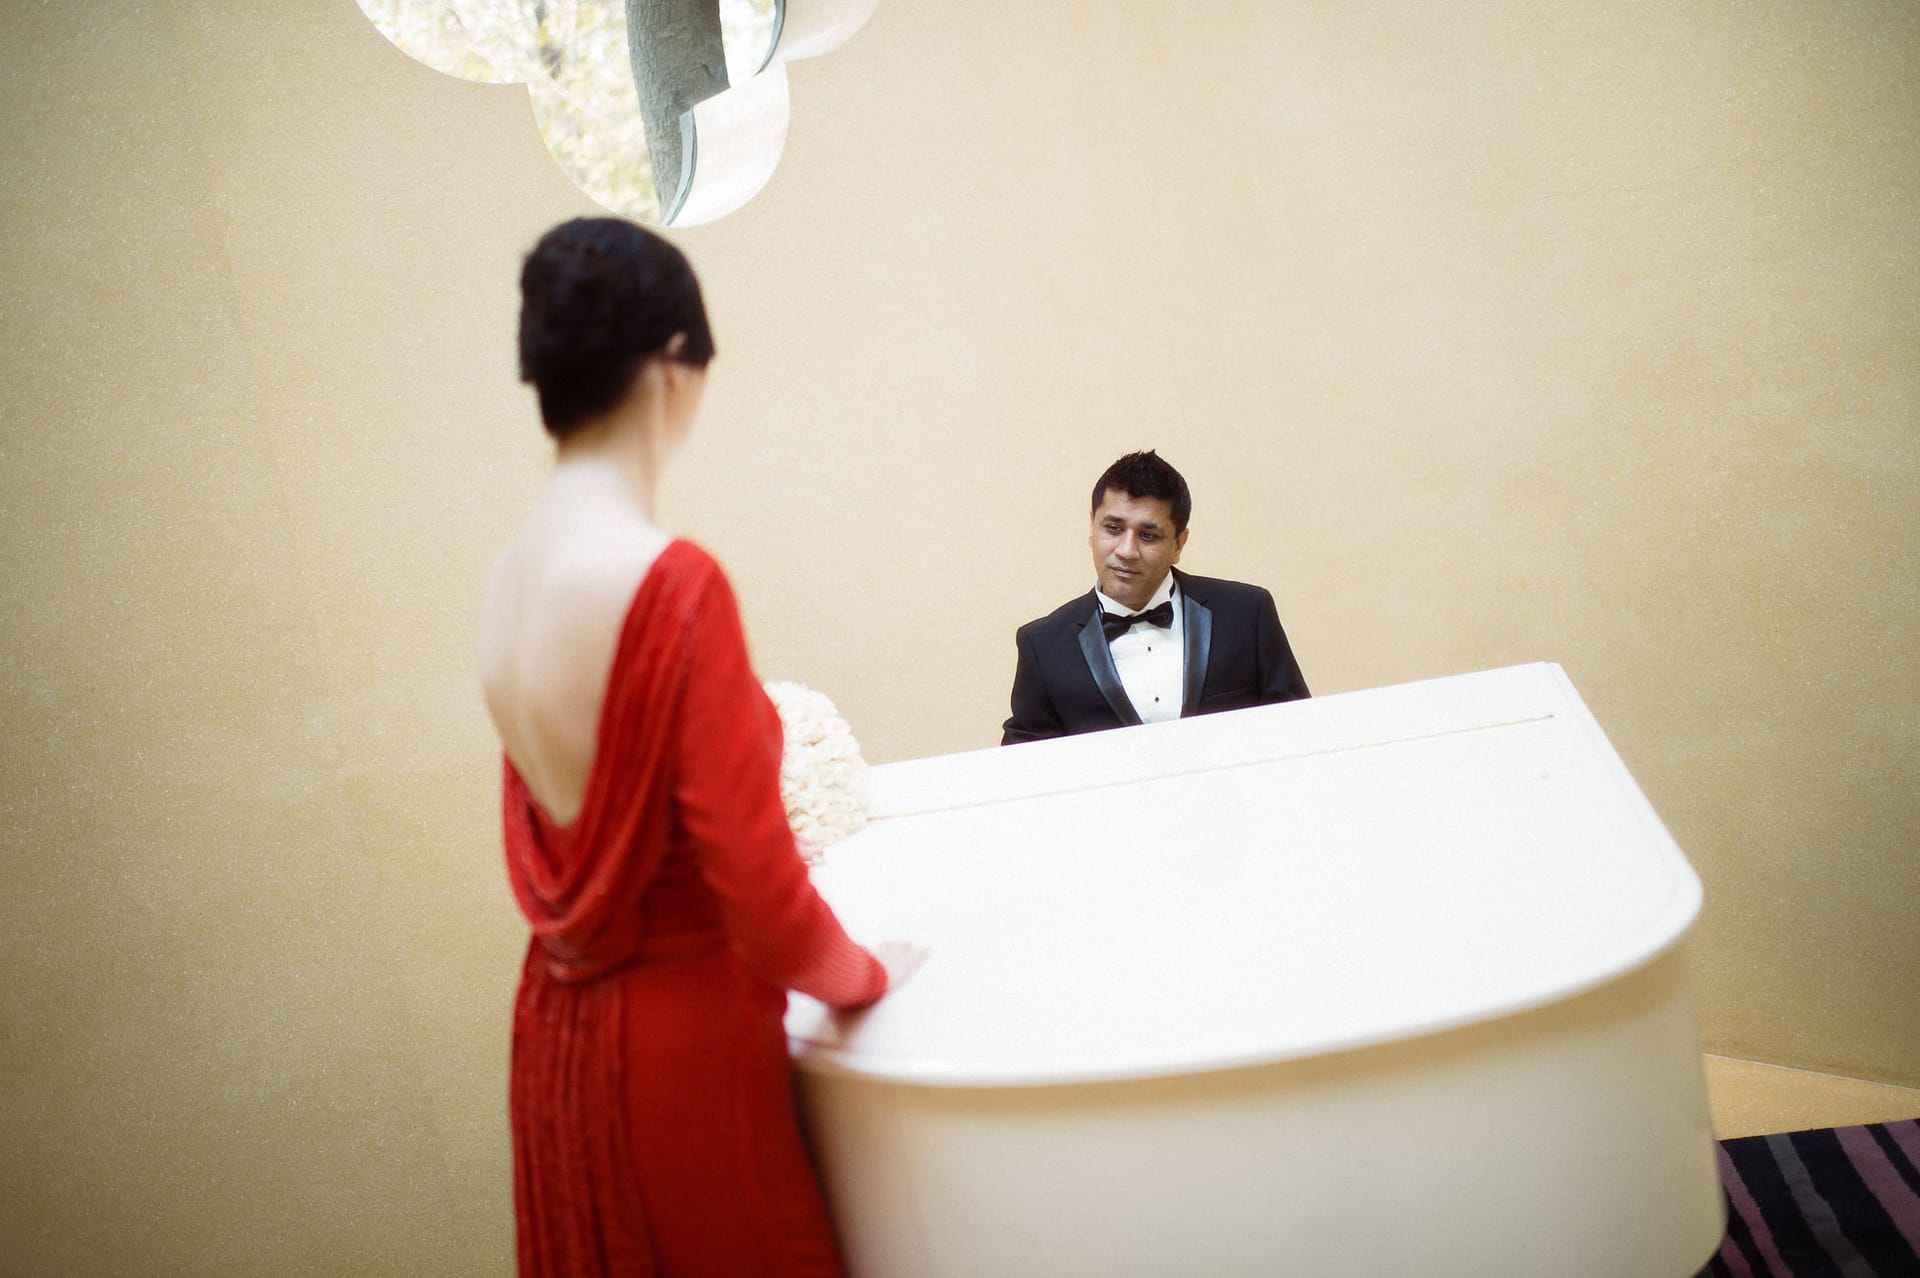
pixel 550 620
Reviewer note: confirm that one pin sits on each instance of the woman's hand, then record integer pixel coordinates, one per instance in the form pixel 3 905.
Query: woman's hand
pixel 901 959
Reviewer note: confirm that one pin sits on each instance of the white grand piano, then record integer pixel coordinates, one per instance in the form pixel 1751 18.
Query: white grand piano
pixel 1384 983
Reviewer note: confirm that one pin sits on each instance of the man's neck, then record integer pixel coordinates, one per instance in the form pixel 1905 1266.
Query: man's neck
pixel 1160 596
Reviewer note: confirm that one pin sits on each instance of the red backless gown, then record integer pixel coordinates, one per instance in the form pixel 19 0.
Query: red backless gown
pixel 651 1101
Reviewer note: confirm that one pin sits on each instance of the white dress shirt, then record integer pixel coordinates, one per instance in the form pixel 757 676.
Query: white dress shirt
pixel 1151 659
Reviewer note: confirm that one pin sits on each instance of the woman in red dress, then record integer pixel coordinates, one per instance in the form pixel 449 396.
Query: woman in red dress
pixel 651 1105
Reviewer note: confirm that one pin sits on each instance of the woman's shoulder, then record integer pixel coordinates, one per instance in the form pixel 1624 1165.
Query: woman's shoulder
pixel 592 576
pixel 557 600
pixel 687 567
pixel 691 557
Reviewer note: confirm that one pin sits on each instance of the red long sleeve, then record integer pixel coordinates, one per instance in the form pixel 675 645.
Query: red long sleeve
pixel 727 796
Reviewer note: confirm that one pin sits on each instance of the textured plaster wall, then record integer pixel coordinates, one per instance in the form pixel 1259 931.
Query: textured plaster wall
pixel 1580 333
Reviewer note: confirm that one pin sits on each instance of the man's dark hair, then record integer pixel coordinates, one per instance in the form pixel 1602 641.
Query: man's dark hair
pixel 598 297
pixel 1146 475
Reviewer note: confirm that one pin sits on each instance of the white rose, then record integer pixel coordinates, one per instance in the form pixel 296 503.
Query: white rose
pixel 823 779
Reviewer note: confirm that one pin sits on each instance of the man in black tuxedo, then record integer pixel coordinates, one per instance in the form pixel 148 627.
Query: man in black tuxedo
pixel 1150 642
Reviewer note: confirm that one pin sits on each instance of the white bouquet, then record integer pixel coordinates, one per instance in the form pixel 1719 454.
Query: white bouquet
pixel 823 779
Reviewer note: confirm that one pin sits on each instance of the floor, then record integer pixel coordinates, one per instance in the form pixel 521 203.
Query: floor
pixel 1748 1098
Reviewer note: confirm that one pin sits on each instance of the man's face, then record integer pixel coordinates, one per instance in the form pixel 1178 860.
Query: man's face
pixel 1134 546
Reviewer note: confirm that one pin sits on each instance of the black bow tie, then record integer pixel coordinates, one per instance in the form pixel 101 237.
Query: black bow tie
pixel 1116 625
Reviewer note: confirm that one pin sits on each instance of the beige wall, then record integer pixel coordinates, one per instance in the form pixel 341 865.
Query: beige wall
pixel 1578 333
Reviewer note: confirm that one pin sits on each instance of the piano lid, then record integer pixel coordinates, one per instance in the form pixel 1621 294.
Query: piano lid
pixel 1248 887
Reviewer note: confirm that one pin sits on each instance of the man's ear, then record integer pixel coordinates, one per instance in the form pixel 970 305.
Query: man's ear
pixel 675 345
pixel 1179 544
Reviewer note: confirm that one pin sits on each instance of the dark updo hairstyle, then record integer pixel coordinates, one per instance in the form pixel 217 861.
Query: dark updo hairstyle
pixel 1147 475
pixel 598 297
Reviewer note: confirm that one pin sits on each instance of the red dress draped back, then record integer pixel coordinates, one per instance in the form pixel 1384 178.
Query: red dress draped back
pixel 651 1101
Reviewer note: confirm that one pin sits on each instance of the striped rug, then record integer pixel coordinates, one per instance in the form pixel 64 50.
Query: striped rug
pixel 1840 1201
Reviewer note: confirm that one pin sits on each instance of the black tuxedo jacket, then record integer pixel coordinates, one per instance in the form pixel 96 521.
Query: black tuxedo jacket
pixel 1236 656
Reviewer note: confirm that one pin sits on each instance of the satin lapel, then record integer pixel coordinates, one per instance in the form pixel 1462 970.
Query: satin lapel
pixel 1197 621
pixel 1093 644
